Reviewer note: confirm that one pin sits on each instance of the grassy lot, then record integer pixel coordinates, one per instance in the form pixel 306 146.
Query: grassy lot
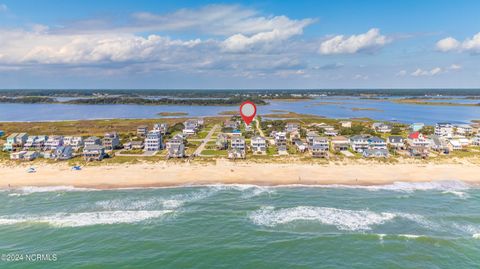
pixel 214 152
pixel 133 151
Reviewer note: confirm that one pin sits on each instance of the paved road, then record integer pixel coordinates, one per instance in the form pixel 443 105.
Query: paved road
pixel 200 148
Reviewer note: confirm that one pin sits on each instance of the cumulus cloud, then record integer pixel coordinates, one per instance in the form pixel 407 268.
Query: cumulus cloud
pixel 421 72
pixel 366 42
pixel 471 45
pixel 284 28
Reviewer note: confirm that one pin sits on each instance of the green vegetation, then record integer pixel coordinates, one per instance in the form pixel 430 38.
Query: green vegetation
pixel 28 100
pixel 214 152
pixel 162 101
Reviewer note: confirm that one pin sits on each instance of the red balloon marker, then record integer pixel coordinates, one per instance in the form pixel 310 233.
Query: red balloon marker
pixel 248 111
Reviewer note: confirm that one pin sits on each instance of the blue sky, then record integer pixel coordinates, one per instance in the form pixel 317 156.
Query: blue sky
pixel 239 44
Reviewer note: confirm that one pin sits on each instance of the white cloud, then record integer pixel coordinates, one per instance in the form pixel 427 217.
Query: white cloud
pixel 421 72
pixel 471 45
pixel 367 42
pixel 360 77
pixel 284 29
pixel 401 73
pixel 455 67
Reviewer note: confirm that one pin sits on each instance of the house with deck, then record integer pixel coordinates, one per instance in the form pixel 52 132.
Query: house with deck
pixel 17 155
pixel 258 145
pixel 142 130
pixel 300 145
pixel 161 128
pixel 375 142
pixel 359 143
pixel 292 127
pixel 53 142
pixel 417 139
pixel 221 143
pixel 153 141
pixel 280 139
pixel 93 152
pixel 320 147
pixel 237 148
pixel 176 150
pixel 396 142
pixel 76 142
pixel 62 153
pixel 92 141
pixel 381 127
pixel 174 141
pixel 14 141
pixel 311 135
pixel 340 143
pixel 133 145
pixel 463 130
pixel 438 143
pixel 476 140
pixel 444 129
pixel 111 141
pixel 454 144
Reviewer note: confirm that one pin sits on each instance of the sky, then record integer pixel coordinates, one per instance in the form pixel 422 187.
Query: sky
pixel 316 44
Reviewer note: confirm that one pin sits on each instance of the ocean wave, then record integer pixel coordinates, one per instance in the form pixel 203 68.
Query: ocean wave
pixel 32 189
pixel 86 218
pixel 476 236
pixel 342 219
pixel 247 190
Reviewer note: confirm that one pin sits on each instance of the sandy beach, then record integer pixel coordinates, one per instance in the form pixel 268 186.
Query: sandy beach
pixel 168 174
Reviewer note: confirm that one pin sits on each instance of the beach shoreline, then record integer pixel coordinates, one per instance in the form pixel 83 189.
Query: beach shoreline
pixel 164 174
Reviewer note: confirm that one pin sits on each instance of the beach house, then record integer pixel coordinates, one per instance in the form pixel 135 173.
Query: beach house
pixel 311 135
pixel 444 129
pixel 230 124
pixel 176 150
pixel 153 141
pixel 76 142
pixel 258 145
pixel 191 127
pixel 415 127
pixel 292 127
pixel 53 142
pixel 438 143
pixel 454 144
pixel 111 141
pixel 476 140
pixel 161 127
pixel 174 142
pixel 381 127
pixel 375 153
pixel 320 147
pixel 396 142
pixel 340 143
pixel 222 142
pixel 92 141
pixel 417 139
pixel 463 130
pixel 142 130
pixel 35 142
pixel 133 145
pixel 93 152
pixel 345 124
pixel 18 155
pixel 375 142
pixel 237 148
pixel 359 143
pixel 30 155
pixel 301 146
pixel 280 139
pixel 62 153
pixel 15 140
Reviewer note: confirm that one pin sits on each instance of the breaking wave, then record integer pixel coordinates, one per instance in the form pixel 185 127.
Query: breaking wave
pixel 247 190
pixel 86 218
pixel 343 219
pixel 32 189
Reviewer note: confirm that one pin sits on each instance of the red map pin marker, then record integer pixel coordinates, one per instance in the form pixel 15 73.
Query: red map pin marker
pixel 248 111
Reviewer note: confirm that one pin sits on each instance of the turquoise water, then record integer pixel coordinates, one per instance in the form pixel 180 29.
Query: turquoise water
pixel 403 225
pixel 332 107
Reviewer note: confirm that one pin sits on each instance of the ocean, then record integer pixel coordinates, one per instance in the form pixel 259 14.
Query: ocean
pixel 402 225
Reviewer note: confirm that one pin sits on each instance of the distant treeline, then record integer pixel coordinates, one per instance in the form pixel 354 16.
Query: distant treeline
pixel 227 93
pixel 163 101
pixel 132 100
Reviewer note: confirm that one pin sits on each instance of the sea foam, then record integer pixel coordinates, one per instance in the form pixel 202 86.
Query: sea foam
pixel 85 218
pixel 32 189
pixel 342 219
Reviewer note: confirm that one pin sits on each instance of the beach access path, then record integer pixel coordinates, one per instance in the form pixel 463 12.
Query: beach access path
pixel 200 148
pixel 260 131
